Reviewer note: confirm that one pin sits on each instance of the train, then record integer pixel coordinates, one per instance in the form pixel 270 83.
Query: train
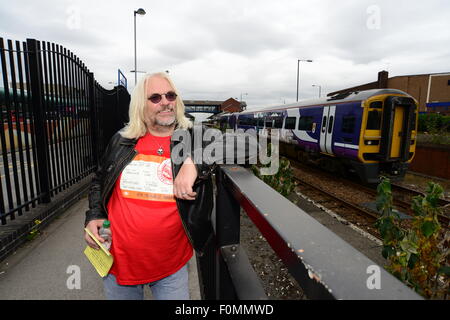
pixel 369 133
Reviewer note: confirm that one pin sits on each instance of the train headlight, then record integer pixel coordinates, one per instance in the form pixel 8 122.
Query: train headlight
pixel 372 142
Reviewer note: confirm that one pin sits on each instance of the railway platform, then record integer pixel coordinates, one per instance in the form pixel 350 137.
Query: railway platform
pixel 53 266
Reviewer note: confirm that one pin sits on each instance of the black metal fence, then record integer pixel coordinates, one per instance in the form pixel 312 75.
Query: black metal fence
pixel 324 265
pixel 55 121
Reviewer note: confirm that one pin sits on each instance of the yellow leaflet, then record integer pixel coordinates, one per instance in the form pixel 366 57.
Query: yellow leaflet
pixel 102 259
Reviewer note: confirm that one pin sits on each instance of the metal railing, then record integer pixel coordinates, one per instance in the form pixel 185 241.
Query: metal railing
pixel 55 120
pixel 324 265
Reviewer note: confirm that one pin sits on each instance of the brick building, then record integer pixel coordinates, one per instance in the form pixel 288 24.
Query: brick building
pixel 232 105
pixel 432 91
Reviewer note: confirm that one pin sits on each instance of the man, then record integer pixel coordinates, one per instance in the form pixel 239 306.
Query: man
pixel 156 220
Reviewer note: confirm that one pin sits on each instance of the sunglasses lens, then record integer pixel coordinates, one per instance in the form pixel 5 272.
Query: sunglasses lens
pixel 155 98
pixel 171 96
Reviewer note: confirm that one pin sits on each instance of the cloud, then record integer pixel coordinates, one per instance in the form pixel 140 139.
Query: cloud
pixel 219 49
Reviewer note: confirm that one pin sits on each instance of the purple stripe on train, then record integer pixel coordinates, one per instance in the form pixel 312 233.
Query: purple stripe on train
pixel 338 151
pixel 313 146
pixel 345 152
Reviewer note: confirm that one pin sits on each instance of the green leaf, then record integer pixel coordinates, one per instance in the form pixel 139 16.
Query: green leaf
pixel 397 233
pixel 385 226
pixel 408 246
pixel 417 205
pixel 412 260
pixel 428 228
pixel 387 251
pixel 444 270
pixel 403 260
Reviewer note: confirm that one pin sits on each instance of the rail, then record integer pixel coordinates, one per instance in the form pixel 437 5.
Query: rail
pixel 325 266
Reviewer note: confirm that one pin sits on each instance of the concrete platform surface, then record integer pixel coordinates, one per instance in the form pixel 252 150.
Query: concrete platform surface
pixel 53 266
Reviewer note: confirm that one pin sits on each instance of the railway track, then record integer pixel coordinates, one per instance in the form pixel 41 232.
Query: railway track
pixel 339 202
pixel 352 213
pixel 402 196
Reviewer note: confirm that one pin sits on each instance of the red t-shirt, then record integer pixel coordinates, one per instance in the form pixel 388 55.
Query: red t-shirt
pixel 148 238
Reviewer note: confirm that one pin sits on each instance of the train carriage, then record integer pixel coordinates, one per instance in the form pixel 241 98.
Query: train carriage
pixel 369 132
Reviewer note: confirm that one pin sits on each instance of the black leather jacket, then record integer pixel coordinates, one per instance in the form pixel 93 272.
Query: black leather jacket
pixel 195 214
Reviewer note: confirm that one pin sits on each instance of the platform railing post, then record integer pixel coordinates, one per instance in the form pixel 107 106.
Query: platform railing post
pixel 94 117
pixel 40 125
pixel 227 233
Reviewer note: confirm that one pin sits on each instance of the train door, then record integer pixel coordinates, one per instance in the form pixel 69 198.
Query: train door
pixel 397 131
pixel 326 130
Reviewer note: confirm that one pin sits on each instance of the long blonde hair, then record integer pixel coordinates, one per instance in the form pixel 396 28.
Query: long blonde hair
pixel 137 128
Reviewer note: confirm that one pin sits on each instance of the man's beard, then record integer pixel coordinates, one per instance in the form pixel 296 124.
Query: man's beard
pixel 166 123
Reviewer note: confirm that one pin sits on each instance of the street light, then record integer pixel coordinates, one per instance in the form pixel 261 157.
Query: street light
pixel 298 69
pixel 141 12
pixel 245 94
pixel 320 88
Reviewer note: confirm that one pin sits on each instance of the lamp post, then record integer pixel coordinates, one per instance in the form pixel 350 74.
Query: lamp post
pixel 298 69
pixel 245 94
pixel 320 88
pixel 141 12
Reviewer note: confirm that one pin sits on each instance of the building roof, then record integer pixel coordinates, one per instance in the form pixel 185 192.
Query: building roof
pixel 202 102
pixel 356 88
pixel 421 74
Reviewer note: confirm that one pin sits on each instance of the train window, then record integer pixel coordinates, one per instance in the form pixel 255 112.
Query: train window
pixel 376 104
pixel 348 124
pixel 374 120
pixel 305 123
pixel 246 121
pixel 260 122
pixel 278 123
pixel 324 123
pixel 290 123
pixel 269 124
pixel 330 125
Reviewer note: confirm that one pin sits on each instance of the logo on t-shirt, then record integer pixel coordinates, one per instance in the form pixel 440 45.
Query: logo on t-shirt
pixel 165 172
pixel 148 177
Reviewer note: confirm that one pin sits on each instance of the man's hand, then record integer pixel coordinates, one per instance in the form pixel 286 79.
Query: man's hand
pixel 182 186
pixel 93 226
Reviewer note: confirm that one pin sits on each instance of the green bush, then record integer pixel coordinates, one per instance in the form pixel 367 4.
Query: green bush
pixel 419 255
pixel 283 180
pixel 434 123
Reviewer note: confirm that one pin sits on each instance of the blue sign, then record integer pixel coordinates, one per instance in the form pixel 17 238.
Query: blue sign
pixel 121 79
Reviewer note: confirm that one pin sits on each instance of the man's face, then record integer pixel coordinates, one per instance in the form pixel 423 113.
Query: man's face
pixel 163 112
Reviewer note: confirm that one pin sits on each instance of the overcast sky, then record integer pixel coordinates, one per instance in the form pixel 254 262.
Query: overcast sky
pixel 216 49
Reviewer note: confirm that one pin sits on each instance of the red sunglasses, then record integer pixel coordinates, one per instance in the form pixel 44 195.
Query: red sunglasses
pixel 156 97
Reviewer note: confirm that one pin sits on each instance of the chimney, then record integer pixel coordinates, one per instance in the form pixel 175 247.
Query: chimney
pixel 383 79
